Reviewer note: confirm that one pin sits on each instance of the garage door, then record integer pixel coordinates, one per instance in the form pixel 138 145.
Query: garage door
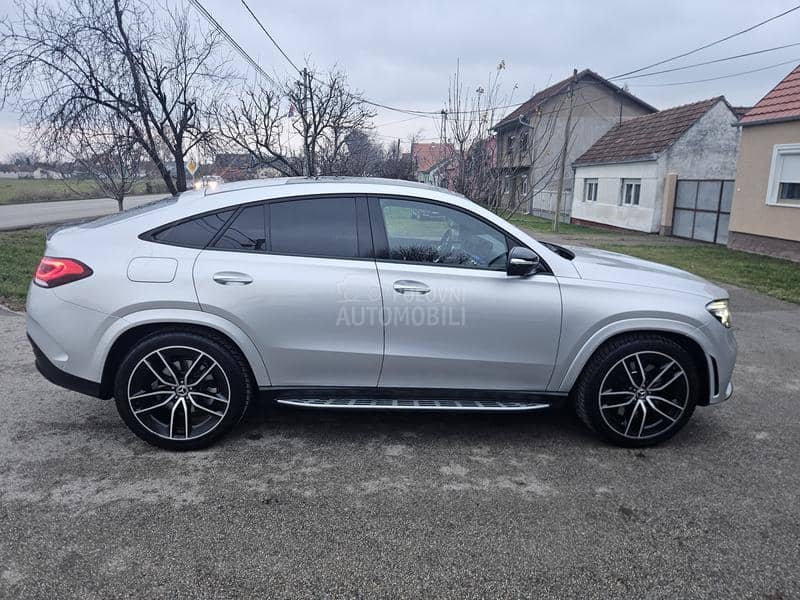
pixel 702 210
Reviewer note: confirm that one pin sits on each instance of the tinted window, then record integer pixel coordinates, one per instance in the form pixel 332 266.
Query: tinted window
pixel 430 233
pixel 246 232
pixel 196 232
pixel 314 227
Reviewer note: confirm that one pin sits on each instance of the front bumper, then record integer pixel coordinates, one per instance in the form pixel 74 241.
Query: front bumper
pixel 61 378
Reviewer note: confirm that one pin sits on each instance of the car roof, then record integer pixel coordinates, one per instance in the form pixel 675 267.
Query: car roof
pixel 322 181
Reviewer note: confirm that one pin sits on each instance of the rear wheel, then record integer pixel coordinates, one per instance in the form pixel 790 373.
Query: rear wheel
pixel 182 390
pixel 638 390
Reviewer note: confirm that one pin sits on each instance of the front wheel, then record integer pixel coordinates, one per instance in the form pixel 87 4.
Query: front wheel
pixel 182 390
pixel 638 390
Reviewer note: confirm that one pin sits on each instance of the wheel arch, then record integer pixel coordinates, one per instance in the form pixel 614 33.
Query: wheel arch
pixel 125 335
pixel 688 337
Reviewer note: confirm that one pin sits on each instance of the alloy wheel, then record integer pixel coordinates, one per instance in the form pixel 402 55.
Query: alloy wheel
pixel 179 393
pixel 643 395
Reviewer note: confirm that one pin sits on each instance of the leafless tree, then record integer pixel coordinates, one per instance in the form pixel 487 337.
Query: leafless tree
pixel 148 67
pixel 469 114
pixel 23 158
pixel 302 128
pixel 104 150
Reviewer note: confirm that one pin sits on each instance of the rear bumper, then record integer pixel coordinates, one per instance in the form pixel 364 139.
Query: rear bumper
pixel 61 378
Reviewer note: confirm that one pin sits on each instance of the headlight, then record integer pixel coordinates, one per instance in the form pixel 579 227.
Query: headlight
pixel 721 310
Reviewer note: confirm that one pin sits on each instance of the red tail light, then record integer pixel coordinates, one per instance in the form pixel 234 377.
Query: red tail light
pixel 52 271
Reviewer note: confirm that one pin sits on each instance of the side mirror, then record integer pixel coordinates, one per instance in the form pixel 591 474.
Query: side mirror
pixel 521 262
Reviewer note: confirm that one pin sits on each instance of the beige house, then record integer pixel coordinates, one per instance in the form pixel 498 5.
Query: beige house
pixel 765 217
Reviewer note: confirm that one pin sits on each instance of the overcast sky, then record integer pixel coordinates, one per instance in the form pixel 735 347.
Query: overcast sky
pixel 402 53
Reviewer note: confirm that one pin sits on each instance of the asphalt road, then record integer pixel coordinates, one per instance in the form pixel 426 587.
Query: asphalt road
pixel 310 504
pixel 17 216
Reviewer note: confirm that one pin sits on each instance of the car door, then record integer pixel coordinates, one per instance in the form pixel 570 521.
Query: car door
pixel 297 276
pixel 452 317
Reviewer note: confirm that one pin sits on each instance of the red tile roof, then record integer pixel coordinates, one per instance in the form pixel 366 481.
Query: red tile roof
pixel 427 156
pixel 544 95
pixel 642 138
pixel 782 103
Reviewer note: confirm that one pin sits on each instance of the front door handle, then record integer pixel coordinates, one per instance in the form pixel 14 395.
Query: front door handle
pixel 232 278
pixel 405 286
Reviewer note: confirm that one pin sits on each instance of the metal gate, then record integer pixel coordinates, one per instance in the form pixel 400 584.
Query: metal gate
pixel 702 210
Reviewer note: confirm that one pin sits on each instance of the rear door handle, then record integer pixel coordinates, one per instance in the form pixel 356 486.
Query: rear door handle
pixel 232 278
pixel 406 286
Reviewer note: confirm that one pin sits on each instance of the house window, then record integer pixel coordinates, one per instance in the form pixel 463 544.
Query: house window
pixel 524 142
pixel 523 185
pixel 630 191
pixel 510 144
pixel 784 176
pixel 590 190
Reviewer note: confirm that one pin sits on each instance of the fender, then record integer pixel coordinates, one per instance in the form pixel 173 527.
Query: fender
pixel 565 377
pixel 177 316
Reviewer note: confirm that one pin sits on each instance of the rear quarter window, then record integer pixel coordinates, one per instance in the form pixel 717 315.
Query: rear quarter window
pixel 196 232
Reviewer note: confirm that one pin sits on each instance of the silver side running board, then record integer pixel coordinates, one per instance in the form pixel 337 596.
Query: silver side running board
pixel 403 404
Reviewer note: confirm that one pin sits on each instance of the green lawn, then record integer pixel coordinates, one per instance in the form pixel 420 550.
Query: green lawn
pixel 538 224
pixel 772 276
pixel 21 191
pixel 20 252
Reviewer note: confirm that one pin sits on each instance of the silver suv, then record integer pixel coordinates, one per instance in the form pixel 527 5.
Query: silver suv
pixel 366 294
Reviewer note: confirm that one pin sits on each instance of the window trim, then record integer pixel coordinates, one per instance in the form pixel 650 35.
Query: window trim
pixel 632 181
pixel 590 181
pixel 773 186
pixel 382 239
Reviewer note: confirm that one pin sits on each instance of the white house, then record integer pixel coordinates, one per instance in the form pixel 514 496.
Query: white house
pixel 634 175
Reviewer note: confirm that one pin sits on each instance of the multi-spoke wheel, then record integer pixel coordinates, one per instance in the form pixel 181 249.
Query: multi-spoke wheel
pixel 182 390
pixel 638 390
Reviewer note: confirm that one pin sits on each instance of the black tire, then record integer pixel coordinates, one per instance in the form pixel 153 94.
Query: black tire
pixel 231 378
pixel 608 365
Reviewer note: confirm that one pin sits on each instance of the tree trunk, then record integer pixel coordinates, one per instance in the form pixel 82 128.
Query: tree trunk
pixel 120 200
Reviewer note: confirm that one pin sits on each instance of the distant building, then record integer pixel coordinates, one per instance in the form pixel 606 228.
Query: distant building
pixel 766 204
pixel 670 172
pixel 530 139
pixel 433 163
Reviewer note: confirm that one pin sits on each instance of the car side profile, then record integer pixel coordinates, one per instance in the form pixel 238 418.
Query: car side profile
pixel 361 294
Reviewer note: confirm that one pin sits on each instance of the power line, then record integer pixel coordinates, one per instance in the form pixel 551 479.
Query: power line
pixel 670 83
pixel 714 43
pixel 711 62
pixel 242 52
pixel 271 39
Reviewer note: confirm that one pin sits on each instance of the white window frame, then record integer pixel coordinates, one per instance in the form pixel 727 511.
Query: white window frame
pixel 633 182
pixel 589 185
pixel 524 186
pixel 778 152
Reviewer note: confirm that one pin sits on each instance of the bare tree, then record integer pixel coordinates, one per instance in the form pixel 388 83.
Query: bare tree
pixel 469 114
pixel 309 138
pixel 147 67
pixel 103 149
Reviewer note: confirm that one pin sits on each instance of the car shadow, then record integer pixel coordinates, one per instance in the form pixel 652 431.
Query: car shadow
pixel 556 424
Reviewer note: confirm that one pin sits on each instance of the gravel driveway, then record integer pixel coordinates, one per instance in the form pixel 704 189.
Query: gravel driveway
pixel 310 504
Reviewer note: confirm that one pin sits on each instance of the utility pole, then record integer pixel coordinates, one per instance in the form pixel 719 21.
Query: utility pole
pixel 443 137
pixel 306 150
pixel 564 150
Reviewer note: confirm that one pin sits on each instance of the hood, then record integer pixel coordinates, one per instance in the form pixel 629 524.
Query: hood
pixel 600 265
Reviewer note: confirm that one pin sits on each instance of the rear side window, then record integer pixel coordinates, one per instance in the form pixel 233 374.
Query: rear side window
pixel 247 231
pixel 314 227
pixel 196 232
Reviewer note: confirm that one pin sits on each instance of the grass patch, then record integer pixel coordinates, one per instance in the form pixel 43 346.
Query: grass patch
pixel 20 252
pixel 542 225
pixel 23 191
pixel 772 276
